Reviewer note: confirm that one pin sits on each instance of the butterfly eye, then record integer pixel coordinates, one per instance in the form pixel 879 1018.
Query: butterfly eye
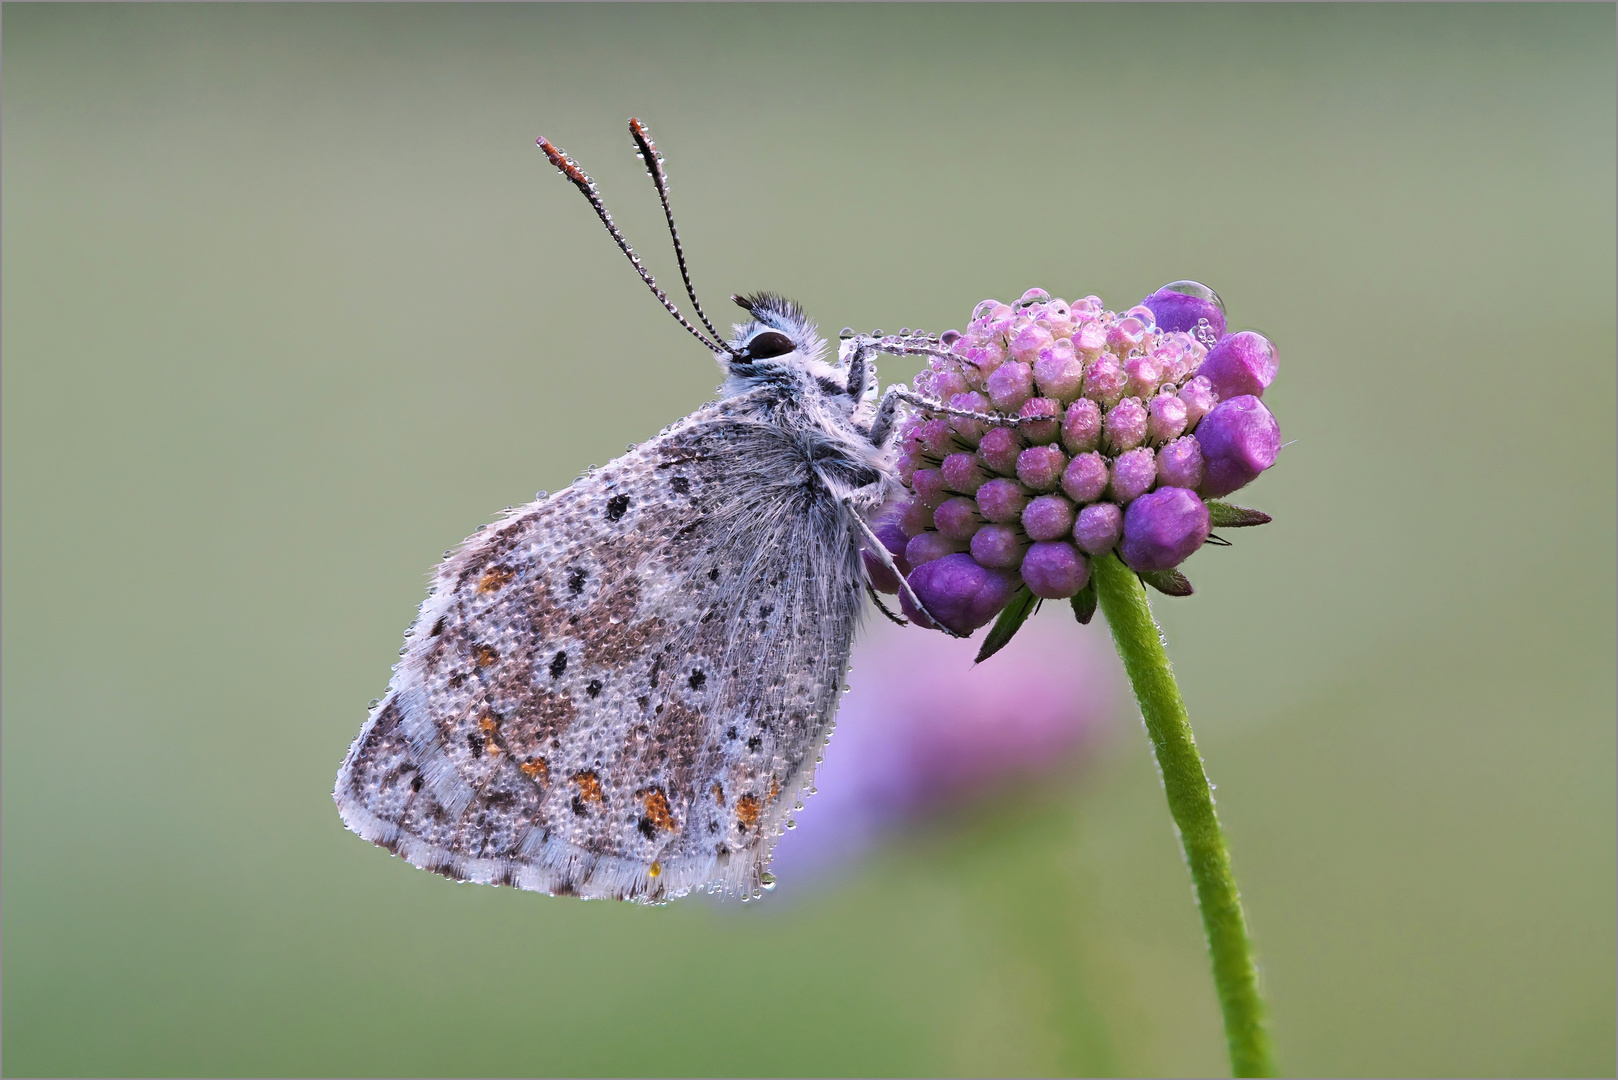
pixel 768 344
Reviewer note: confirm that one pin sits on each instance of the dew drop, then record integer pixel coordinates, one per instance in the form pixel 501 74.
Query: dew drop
pixel 791 824
pixel 845 333
pixel 373 703
pixel 766 881
pixel 1196 289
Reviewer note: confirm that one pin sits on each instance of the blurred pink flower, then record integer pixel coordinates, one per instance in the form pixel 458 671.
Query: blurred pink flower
pixel 923 728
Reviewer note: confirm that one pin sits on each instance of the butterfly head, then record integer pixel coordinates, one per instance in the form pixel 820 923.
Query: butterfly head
pixel 778 341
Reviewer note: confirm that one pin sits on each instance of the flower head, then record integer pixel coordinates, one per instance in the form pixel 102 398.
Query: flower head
pixel 1091 431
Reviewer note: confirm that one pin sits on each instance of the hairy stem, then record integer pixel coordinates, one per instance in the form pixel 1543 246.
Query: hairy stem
pixel 1140 644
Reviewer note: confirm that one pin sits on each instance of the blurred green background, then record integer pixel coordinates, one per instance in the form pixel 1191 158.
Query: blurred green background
pixel 291 304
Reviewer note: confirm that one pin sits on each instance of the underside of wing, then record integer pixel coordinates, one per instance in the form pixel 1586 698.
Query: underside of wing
pixel 619 691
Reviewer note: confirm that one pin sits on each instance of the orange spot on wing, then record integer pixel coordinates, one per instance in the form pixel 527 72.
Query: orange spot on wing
pixel 747 810
pixel 589 786
pixel 719 794
pixel 775 789
pixel 537 768
pixel 495 578
pixel 654 870
pixel 489 728
pixel 485 656
pixel 657 810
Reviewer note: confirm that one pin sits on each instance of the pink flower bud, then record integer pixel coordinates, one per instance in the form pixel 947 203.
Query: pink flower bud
pixel 1239 440
pixel 1054 570
pixel 999 449
pixel 1133 474
pixel 1141 376
pixel 1048 517
pixel 1081 427
pixel 998 547
pixel 1040 431
pixel 1001 501
pixel 929 486
pixel 928 546
pixel 1179 464
pixel 968 431
pixel 916 518
pixel 1125 425
pixel 1011 384
pixel 1025 347
pixel 1243 363
pixel 1104 380
pixel 1085 478
pixel 957 518
pixel 935 437
pixel 1040 467
pixel 1058 372
pixel 1199 398
pixel 1165 419
pixel 963 473
pixel 1091 337
pixel 1126 334
pixel 1098 528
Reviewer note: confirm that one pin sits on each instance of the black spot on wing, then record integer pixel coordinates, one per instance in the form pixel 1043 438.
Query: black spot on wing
pixel 617 506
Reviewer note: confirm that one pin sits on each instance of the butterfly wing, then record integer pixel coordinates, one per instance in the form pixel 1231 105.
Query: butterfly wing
pixel 619 691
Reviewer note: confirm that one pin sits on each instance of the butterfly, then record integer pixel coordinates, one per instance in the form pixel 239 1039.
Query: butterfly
pixel 621 690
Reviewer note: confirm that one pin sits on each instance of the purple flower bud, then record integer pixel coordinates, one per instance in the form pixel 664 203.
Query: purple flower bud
pixel 957 518
pixel 1040 467
pixel 906 466
pixel 1125 424
pixel 1165 419
pixel 893 539
pixel 1081 427
pixel 999 449
pixel 1098 528
pixel 1010 385
pixel 881 578
pixel 1091 337
pixel 1243 363
pixel 1133 474
pixel 1048 517
pixel 1025 346
pixel 929 486
pixel 935 437
pixel 1053 570
pixel 1239 439
pixel 962 473
pixel 1058 371
pixel 928 546
pixel 998 547
pixel 1001 500
pixel 1141 377
pixel 1040 431
pixel 968 432
pixel 916 518
pixel 945 384
pixel 1199 398
pixel 1180 304
pixel 1104 381
pixel 1162 529
pixel 1179 464
pixel 961 594
pixel 1085 478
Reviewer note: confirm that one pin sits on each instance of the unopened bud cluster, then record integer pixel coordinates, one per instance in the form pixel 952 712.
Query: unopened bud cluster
pixel 1099 431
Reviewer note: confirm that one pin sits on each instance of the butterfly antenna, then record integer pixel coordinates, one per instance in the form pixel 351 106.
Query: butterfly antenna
pixel 654 165
pixel 581 180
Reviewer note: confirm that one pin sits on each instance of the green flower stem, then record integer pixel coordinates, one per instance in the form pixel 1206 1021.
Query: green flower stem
pixel 1140 644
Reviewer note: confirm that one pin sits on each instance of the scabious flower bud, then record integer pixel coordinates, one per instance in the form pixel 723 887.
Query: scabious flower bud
pixel 1048 517
pixel 1243 363
pixel 998 450
pixel 1239 439
pixel 1179 464
pixel 923 549
pixel 1180 304
pixel 1165 419
pixel 1085 478
pixel 1088 415
pixel 1058 372
pixel 929 485
pixel 894 540
pixel 1125 425
pixel 1098 528
pixel 1162 529
pixel 1040 467
pixel 1037 430
pixel 998 547
pixel 1001 500
pixel 963 473
pixel 959 593
pixel 1081 426
pixel 957 518
pixel 1011 384
pixel 1199 397
pixel 1054 570
pixel 1133 474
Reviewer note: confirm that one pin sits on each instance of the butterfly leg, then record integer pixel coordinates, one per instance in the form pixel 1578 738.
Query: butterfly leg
pixel 887 410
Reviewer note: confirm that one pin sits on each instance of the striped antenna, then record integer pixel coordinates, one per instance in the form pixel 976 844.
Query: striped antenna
pixel 660 179
pixel 581 180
